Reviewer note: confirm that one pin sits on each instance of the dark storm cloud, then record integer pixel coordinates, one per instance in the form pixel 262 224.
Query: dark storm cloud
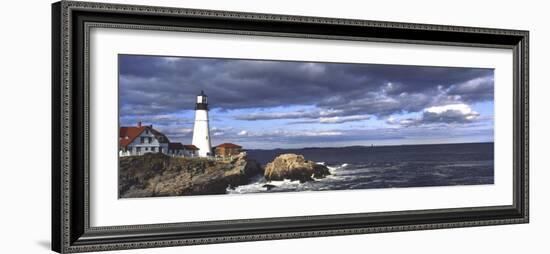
pixel 474 90
pixel 161 85
pixel 334 119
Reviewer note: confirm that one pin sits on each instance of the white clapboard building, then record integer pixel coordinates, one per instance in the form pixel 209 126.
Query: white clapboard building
pixel 142 139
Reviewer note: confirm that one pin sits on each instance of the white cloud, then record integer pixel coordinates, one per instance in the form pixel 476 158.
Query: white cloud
pixel 278 115
pixel 403 122
pixel 462 108
pixel 171 59
pixel 330 112
pixel 323 133
pixel 291 133
pixel 444 114
pixel 177 130
pixel 343 119
pixel 313 69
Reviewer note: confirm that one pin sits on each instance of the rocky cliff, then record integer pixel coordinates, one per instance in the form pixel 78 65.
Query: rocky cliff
pixel 294 167
pixel 156 175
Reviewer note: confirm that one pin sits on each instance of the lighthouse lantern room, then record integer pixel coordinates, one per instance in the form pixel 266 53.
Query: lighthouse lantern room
pixel 201 130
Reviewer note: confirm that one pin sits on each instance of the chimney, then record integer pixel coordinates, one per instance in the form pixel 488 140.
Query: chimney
pixel 139 124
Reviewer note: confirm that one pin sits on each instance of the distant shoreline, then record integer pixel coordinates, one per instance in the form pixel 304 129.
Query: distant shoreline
pixel 368 146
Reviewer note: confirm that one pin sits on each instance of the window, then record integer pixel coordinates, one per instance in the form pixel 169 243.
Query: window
pixel 142 140
pixel 138 149
pixel 153 149
pixel 146 148
pixel 149 140
pixel 160 149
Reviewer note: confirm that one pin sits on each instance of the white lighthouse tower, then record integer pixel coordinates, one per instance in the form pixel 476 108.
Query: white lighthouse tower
pixel 201 131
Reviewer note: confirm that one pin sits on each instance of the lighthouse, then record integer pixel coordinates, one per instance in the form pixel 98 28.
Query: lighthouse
pixel 201 131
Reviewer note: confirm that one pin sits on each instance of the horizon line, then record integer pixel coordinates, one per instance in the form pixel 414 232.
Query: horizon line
pixel 419 144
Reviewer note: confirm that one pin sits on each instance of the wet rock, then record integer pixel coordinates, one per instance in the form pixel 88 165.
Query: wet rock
pixel 294 167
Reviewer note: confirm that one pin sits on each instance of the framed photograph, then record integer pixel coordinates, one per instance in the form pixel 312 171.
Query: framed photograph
pixel 182 126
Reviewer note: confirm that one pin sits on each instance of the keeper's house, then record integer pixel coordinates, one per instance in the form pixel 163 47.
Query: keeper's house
pixel 226 150
pixel 142 139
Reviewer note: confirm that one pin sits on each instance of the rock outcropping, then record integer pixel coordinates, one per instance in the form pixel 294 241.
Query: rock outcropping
pixel 294 167
pixel 156 175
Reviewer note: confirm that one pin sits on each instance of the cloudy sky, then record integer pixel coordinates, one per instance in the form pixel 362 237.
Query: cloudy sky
pixel 281 104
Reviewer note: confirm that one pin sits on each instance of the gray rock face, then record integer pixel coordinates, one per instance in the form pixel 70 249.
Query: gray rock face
pixel 157 175
pixel 294 167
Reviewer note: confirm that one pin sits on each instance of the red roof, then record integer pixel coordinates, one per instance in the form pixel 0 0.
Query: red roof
pixel 127 135
pixel 130 132
pixel 229 145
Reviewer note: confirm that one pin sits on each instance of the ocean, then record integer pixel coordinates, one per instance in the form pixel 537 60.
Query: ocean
pixel 365 167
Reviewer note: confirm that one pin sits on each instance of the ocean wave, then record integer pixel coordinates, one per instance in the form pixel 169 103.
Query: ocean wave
pixel 366 175
pixel 334 168
pixel 264 186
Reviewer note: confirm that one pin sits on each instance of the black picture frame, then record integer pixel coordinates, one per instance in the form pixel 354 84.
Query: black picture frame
pixel 71 231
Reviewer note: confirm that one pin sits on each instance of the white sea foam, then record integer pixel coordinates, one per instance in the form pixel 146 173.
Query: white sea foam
pixel 338 174
pixel 335 168
pixel 261 185
pixel 284 182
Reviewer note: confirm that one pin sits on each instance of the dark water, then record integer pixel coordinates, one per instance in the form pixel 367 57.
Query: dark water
pixel 386 167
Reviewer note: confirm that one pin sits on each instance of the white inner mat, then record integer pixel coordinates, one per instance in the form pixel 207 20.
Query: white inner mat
pixel 107 210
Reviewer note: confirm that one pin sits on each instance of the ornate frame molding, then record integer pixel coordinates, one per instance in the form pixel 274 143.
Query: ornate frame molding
pixel 71 22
